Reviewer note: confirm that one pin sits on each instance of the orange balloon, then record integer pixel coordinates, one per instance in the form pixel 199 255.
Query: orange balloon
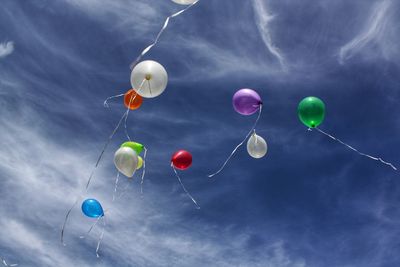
pixel 132 100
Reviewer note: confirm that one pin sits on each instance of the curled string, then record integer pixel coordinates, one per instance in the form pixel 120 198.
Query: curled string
pixel 240 144
pixel 183 187
pixel 147 49
pixel 66 219
pixel 6 264
pixel 355 150
pixel 115 186
pixel 105 103
pixel 101 236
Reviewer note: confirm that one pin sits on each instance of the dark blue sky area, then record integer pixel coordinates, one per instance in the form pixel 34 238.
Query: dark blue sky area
pixel 310 202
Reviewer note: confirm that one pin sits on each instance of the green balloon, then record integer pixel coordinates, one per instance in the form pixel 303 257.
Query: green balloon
pixel 311 111
pixel 135 146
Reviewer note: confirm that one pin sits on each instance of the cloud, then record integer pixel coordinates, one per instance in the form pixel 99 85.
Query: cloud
pixel 374 32
pixel 6 49
pixel 263 19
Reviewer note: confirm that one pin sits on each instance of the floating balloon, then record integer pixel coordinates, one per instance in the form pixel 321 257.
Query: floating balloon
pixel 246 101
pixel 132 100
pixel 311 111
pixel 256 146
pixel 137 147
pixel 140 163
pixel 92 208
pixel 184 2
pixel 149 78
pixel 181 159
pixel 126 161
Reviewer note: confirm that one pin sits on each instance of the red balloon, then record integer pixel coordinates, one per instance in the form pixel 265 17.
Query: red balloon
pixel 181 159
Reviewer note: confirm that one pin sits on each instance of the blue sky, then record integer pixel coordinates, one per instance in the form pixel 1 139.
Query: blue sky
pixel 309 202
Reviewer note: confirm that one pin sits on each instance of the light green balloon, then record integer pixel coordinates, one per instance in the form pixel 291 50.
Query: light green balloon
pixel 137 147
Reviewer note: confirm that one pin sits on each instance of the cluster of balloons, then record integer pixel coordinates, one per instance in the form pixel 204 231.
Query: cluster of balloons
pixel 149 79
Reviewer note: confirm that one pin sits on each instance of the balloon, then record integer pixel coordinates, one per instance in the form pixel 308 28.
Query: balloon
pixel 132 100
pixel 181 159
pixel 137 147
pixel 140 163
pixel 256 146
pixel 311 111
pixel 92 208
pixel 149 78
pixel 246 101
pixel 184 2
pixel 126 161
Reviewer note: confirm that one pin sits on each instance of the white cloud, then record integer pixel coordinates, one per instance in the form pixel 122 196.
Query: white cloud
pixel 263 19
pixel 6 49
pixel 374 32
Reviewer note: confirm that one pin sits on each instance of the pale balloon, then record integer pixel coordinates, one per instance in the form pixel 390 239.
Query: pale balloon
pixel 256 146
pixel 126 161
pixel 149 78
pixel 184 2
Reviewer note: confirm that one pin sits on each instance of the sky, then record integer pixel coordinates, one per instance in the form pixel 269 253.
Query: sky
pixel 309 202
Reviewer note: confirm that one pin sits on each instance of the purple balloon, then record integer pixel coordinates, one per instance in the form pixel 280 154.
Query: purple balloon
pixel 246 101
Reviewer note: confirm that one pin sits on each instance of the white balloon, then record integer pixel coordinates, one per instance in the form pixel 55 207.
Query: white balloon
pixel 126 161
pixel 256 146
pixel 149 78
pixel 184 2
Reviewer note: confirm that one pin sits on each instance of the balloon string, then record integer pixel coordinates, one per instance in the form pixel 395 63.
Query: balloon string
pixel 115 186
pixel 144 171
pixel 128 109
pixel 91 228
pixel 105 103
pixel 355 150
pixel 150 88
pixel 66 219
pixel 6 264
pixel 101 237
pixel 240 144
pixel 147 49
pixel 183 187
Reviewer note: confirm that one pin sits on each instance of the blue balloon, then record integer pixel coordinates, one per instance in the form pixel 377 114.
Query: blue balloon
pixel 92 208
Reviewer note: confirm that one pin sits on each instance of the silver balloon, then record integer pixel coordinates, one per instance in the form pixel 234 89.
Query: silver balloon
pixel 126 161
pixel 184 2
pixel 256 146
pixel 149 78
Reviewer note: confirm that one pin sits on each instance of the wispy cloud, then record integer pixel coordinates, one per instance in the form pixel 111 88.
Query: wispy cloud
pixel 263 19
pixel 372 32
pixel 6 49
